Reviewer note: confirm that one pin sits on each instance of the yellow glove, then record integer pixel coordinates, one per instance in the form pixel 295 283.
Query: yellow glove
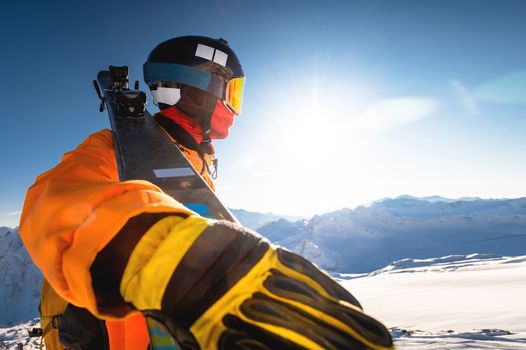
pixel 217 285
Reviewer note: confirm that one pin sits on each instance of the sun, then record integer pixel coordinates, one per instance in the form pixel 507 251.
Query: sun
pixel 312 110
pixel 315 153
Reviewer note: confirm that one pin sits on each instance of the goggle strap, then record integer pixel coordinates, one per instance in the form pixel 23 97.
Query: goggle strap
pixel 185 75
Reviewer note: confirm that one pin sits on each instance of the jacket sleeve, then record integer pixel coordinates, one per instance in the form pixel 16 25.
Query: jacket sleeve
pixel 72 211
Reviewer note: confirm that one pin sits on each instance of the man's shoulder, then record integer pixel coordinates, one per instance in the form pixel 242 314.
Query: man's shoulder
pixel 102 137
pixel 104 134
pixel 99 142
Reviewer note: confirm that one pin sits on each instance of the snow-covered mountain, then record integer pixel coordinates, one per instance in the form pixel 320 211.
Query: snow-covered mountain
pixel 369 238
pixel 20 280
pixel 255 220
pixel 436 198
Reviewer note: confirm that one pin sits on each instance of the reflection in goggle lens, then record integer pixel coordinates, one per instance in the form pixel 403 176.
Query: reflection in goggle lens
pixel 234 97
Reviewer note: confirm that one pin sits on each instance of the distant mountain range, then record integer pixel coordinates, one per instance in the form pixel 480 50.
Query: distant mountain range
pixel 254 220
pixel 344 241
pixel 435 199
pixel 369 238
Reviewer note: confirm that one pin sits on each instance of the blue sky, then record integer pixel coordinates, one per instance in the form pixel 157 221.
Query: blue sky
pixel 345 102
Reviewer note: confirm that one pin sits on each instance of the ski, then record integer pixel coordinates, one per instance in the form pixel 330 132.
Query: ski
pixel 145 152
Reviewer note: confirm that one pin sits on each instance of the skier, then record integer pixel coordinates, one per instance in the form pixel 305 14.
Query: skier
pixel 125 249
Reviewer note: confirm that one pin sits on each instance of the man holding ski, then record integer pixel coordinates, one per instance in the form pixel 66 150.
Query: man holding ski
pixel 124 250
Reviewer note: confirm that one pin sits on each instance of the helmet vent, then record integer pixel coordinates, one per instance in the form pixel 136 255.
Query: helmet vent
pixel 205 51
pixel 211 54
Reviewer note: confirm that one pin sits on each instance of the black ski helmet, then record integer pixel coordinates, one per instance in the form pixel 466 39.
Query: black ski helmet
pixel 192 60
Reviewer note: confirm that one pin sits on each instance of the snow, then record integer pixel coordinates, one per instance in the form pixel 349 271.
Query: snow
pixel 491 339
pixel 471 302
pixel 20 280
pixel 325 258
pixel 16 336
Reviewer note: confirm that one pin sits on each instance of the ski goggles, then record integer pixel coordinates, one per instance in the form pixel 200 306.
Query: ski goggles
pixel 230 92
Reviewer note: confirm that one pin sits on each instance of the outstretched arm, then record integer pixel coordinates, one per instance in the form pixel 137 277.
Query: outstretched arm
pixel 73 210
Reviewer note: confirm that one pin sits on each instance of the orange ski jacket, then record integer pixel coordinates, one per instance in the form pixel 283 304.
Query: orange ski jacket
pixel 73 210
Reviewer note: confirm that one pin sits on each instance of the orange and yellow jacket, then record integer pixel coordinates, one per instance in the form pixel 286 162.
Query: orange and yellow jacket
pixel 70 214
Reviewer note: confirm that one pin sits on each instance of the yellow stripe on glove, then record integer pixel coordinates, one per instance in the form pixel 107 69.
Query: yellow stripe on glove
pixel 155 258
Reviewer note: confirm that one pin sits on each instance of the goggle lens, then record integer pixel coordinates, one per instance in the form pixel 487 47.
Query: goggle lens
pixel 234 96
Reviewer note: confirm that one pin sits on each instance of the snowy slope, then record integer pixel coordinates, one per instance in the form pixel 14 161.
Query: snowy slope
pixel 15 336
pixel 455 302
pixel 20 280
pixel 368 238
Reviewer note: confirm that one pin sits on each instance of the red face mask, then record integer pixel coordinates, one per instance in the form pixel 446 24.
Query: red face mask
pixel 221 120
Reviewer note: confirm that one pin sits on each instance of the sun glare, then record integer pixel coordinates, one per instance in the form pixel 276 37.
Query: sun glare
pixel 328 139
pixel 311 125
pixel 313 114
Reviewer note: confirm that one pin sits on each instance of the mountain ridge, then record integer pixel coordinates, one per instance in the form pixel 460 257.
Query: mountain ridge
pixel 367 238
